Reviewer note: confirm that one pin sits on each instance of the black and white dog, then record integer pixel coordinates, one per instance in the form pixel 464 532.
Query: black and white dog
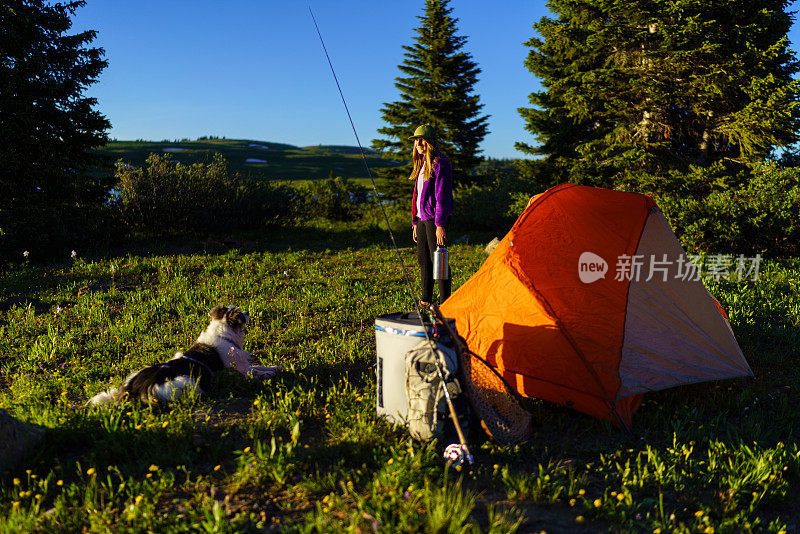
pixel 218 346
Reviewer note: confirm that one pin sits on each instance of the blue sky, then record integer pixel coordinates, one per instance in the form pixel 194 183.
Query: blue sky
pixel 255 69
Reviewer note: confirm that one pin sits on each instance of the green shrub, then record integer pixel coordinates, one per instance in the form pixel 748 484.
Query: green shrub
pixel 170 198
pixel 749 214
pixel 335 198
pixel 494 206
pixel 398 212
pixel 720 208
pixel 481 207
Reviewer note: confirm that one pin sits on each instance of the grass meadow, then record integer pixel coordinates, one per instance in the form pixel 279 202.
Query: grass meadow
pixel 305 451
pixel 273 161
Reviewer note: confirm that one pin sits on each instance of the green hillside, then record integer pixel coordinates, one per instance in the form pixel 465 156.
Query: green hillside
pixel 274 161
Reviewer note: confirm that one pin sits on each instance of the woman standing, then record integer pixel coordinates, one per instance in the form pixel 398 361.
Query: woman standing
pixel 431 206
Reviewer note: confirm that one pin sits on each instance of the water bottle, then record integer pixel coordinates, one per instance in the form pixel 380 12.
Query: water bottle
pixel 441 267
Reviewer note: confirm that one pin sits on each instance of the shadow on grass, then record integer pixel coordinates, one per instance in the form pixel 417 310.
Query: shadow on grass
pixel 20 281
pixel 89 445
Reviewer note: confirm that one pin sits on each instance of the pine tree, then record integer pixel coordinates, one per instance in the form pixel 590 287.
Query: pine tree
pixel 658 85
pixel 437 89
pixel 47 126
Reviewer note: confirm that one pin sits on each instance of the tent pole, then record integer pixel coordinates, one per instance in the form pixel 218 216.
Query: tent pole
pixel 619 417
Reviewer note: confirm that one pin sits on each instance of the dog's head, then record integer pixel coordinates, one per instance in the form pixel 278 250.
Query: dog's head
pixel 231 320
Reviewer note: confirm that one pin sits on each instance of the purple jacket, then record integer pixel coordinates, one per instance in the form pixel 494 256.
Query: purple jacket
pixel 437 195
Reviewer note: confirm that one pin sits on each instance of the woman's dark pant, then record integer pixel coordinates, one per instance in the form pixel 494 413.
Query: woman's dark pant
pixel 426 246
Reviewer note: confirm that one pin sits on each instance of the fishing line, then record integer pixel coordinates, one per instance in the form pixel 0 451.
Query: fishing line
pixel 409 286
pixel 364 159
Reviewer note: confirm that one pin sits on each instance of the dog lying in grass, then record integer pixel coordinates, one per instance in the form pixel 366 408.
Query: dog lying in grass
pixel 218 346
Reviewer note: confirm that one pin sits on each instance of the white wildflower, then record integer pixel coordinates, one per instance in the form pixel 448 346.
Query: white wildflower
pixel 26 254
pixel 74 255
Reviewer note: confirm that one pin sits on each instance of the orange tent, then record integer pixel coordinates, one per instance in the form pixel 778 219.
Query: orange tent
pixel 590 301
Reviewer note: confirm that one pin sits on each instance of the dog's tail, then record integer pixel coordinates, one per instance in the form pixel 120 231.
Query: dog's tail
pixel 104 397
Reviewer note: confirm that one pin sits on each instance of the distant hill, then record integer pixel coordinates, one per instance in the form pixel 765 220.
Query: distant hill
pixel 275 161
pixel 343 149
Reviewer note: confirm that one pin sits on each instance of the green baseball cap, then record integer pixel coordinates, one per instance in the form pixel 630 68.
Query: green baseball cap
pixel 426 132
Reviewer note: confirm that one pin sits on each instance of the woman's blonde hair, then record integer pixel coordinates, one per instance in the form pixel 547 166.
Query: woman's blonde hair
pixel 431 154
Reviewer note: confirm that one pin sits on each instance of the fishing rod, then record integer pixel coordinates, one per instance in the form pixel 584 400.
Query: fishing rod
pixel 363 156
pixel 451 407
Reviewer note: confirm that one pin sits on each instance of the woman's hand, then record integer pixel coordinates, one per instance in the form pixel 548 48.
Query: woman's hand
pixel 414 232
pixel 440 236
